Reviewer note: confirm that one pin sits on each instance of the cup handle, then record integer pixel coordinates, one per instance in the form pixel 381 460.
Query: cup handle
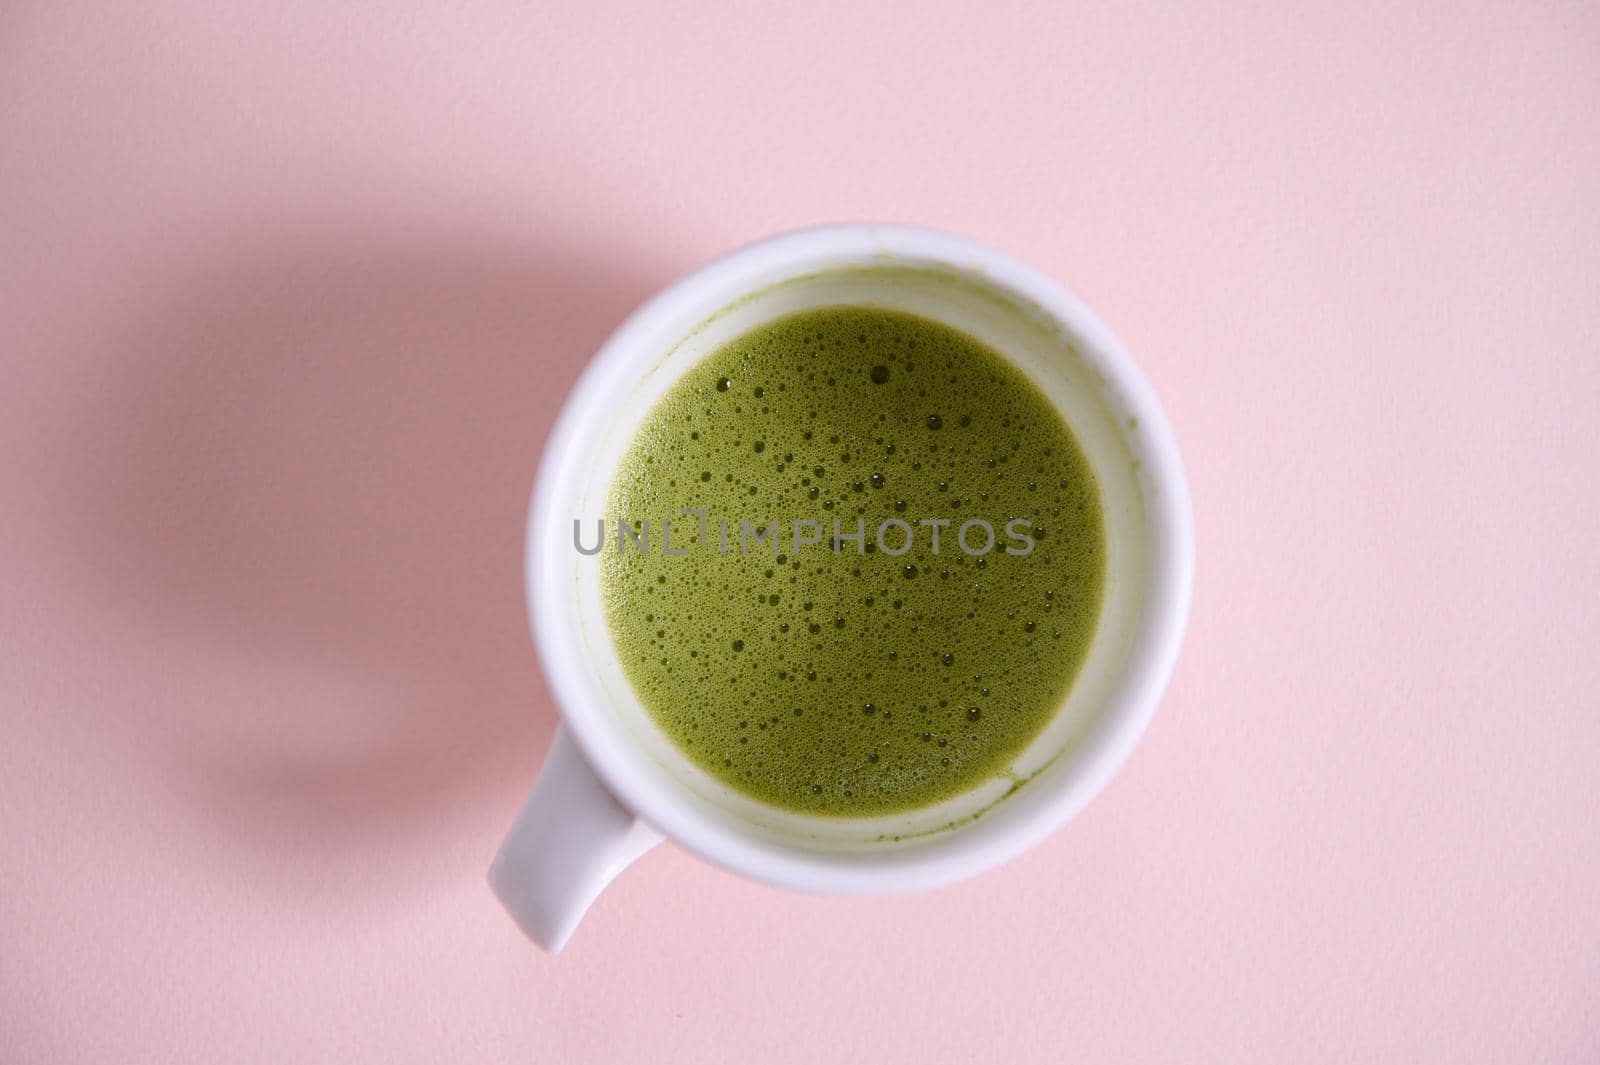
pixel 568 842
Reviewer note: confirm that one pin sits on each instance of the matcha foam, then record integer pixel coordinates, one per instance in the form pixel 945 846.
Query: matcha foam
pixel 859 682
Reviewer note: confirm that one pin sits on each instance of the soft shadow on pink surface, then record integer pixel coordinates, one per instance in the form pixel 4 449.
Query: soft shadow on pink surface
pixel 313 470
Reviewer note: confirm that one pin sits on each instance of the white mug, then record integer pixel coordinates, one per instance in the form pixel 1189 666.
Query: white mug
pixel 613 784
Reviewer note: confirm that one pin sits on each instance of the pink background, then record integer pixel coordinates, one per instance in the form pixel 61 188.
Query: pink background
pixel 289 296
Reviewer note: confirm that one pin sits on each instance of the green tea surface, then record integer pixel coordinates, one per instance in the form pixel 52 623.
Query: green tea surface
pixel 865 681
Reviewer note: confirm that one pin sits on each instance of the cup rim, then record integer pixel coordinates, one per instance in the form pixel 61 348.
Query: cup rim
pixel 1002 832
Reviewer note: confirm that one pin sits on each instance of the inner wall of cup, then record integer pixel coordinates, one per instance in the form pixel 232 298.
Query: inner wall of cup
pixel 1037 344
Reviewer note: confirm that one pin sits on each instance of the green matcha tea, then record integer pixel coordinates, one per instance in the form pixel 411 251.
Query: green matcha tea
pixel 872 673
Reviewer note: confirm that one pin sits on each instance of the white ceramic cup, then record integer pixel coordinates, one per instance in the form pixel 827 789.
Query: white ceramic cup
pixel 613 784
